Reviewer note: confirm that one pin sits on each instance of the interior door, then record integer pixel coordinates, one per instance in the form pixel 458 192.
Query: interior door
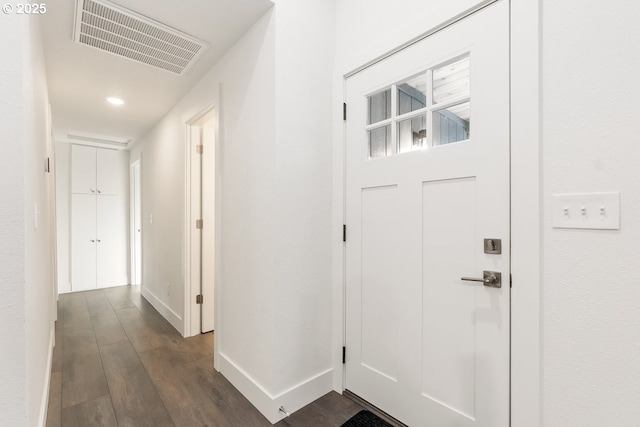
pixel 83 169
pixel 83 242
pixel 427 180
pixel 110 242
pixel 137 224
pixel 108 172
pixel 208 232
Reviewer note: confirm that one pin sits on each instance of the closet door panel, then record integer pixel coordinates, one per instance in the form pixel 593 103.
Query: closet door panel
pixel 83 242
pixel 83 169
pixel 111 242
pixel 109 172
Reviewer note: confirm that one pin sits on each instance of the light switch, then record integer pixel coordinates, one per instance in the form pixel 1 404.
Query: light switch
pixel 600 211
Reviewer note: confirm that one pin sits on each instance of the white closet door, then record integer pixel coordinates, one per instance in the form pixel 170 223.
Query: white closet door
pixel 83 169
pixel 83 242
pixel 109 172
pixel 111 242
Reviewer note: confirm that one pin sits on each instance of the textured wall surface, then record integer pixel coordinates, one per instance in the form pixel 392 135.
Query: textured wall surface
pixel 25 248
pixel 591 294
pixel 12 225
pixel 39 287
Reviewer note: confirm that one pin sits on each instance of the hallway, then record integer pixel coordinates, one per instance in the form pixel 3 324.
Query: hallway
pixel 117 362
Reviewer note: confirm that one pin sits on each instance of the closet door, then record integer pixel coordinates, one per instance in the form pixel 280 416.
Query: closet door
pixel 83 242
pixel 111 241
pixel 83 170
pixel 109 172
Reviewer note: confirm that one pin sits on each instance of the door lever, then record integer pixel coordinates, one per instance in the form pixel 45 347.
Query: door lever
pixel 492 279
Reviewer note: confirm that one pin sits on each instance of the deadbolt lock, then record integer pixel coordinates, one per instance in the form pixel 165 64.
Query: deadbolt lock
pixel 492 246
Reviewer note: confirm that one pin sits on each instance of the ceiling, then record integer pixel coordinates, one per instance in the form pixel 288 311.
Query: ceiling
pixel 80 78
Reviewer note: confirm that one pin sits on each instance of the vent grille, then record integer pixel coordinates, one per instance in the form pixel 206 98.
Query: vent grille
pixel 127 34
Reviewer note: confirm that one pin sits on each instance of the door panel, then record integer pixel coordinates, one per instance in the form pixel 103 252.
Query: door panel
pixel 137 225
pixel 83 242
pixel 83 169
pixel 380 264
pixel 111 242
pixel 208 232
pixel 109 172
pixel 448 365
pixel 427 180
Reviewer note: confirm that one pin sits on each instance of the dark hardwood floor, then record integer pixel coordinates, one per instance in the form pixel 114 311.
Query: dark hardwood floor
pixel 117 362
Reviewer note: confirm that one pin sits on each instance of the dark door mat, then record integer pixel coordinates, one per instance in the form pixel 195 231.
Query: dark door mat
pixel 366 419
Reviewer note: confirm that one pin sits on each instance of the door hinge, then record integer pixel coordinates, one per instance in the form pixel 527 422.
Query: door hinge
pixel 199 224
pixel 199 149
pixel 344 232
pixel 510 280
pixel 198 299
pixel 344 354
pixel 344 111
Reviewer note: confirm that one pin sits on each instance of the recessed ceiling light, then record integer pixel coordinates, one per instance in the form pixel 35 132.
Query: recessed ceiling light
pixel 115 101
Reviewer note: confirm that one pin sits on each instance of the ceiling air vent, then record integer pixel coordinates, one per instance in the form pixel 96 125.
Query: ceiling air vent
pixel 122 32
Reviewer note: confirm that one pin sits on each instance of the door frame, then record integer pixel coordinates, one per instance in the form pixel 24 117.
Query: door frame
pixel 191 250
pixel 526 215
pixel 135 263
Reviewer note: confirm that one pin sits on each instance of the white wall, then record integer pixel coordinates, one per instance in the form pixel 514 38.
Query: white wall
pixel 305 40
pixel 62 170
pixel 591 285
pixel 27 289
pixel 275 134
pixel 367 29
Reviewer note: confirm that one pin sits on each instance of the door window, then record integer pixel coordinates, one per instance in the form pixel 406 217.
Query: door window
pixel 429 109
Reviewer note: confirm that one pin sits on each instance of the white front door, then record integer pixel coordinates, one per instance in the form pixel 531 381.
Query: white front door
pixel 427 148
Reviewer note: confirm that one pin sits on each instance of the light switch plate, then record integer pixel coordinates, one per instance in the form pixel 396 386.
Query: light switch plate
pixel 600 211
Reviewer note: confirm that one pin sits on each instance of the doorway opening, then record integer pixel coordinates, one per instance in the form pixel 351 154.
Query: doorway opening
pixel 200 233
pixel 135 186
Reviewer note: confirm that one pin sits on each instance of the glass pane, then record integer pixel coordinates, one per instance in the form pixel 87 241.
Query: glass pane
pixel 412 134
pixel 451 81
pixel 451 124
pixel 379 107
pixel 412 94
pixel 380 142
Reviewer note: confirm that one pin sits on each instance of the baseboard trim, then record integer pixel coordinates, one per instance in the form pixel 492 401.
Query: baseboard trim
pixel 44 401
pixel 162 308
pixel 268 404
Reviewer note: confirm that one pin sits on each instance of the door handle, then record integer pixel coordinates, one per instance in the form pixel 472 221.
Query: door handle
pixel 92 241
pixel 99 240
pixel 492 279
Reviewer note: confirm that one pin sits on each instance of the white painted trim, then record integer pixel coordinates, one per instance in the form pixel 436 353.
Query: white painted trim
pixel 163 309
pixel 132 222
pixel 192 321
pixel 526 215
pixel 337 249
pixel 44 400
pixel 268 404
pixel 187 232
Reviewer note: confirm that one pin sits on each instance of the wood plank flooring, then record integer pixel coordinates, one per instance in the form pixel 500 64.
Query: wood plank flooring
pixel 117 362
